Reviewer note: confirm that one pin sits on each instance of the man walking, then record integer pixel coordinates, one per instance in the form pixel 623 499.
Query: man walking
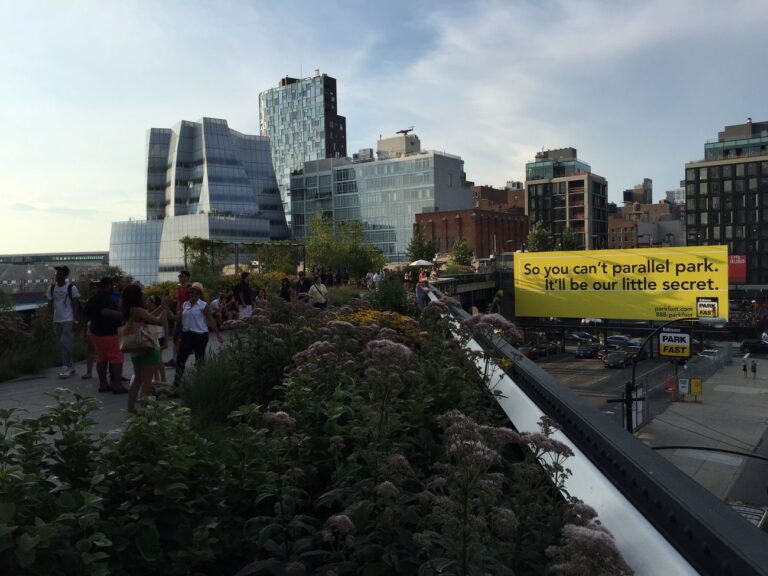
pixel 753 368
pixel 182 295
pixel 302 287
pixel 64 300
pixel 105 318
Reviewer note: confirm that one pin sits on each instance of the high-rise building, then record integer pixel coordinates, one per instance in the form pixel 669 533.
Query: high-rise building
pixel 640 194
pixel 203 180
pixel 384 194
pixel 301 119
pixel 727 196
pixel 562 191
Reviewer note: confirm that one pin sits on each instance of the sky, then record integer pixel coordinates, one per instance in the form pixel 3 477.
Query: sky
pixel 637 86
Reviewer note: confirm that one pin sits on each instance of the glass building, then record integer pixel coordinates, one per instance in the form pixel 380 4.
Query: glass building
pixel 301 119
pixel 726 196
pixel 384 194
pixel 205 180
pixel 562 191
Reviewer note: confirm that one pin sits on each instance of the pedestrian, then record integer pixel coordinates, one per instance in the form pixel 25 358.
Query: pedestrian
pixel 244 296
pixel 156 308
pixel 64 300
pixel 90 352
pixel 104 318
pixel 753 368
pixel 318 293
pixel 422 287
pixel 286 292
pixel 302 286
pixel 144 361
pixel 197 322
pixel 744 367
pixel 182 295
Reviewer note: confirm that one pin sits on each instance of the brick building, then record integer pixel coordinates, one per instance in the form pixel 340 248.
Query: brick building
pixel 486 231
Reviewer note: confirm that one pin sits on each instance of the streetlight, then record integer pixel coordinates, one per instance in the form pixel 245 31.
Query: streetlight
pixel 629 388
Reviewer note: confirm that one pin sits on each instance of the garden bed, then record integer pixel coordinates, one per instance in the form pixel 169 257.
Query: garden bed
pixel 349 441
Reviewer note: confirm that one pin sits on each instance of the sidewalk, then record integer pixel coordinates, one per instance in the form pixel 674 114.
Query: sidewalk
pixel 732 414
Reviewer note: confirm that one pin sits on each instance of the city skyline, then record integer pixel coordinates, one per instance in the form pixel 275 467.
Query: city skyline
pixel 637 88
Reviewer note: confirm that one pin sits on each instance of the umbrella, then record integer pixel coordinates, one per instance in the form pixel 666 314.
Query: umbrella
pixel 421 263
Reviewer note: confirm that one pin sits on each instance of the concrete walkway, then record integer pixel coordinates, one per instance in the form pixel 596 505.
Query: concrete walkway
pixel 732 414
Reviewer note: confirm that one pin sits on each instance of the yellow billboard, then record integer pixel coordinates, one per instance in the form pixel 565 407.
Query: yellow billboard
pixel 636 284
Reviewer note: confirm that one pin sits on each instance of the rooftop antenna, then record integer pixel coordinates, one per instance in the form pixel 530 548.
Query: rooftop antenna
pixel 405 131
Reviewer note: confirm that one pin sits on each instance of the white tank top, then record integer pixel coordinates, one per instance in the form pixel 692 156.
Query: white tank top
pixel 193 317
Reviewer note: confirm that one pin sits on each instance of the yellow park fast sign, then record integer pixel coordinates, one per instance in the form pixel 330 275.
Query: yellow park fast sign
pixel 637 284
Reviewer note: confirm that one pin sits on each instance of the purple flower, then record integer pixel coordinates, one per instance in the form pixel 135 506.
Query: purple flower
pixel 387 490
pixel 341 524
pixel 388 352
pixel 279 419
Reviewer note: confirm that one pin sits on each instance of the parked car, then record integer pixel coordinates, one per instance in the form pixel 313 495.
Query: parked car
pixel 581 336
pixel 634 351
pixel 607 349
pixel 617 359
pixel 587 350
pixel 529 352
pixel 618 340
pixel 591 322
pixel 710 354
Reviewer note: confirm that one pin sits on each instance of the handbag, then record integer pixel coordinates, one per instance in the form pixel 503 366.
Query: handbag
pixel 136 337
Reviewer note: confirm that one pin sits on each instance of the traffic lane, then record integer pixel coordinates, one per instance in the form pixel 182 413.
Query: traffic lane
pixel 597 384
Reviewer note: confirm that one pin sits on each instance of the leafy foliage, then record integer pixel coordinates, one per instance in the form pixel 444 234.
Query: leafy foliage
pixel 342 247
pixel 344 455
pixel 419 248
pixel 461 254
pixel 539 238
pixel 570 241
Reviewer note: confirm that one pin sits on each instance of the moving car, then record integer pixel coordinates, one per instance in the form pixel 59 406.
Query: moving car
pixel 617 359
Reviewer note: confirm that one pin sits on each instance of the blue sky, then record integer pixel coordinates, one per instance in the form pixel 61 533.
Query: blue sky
pixel 636 86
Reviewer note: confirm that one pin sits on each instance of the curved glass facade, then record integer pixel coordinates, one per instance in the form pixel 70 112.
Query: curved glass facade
pixel 206 180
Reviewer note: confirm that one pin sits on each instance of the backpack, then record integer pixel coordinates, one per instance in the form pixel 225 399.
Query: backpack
pixel 69 294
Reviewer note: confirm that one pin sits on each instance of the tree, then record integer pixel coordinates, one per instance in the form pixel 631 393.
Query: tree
pixel 342 247
pixel 204 258
pixel 461 254
pixel 539 239
pixel 570 241
pixel 419 248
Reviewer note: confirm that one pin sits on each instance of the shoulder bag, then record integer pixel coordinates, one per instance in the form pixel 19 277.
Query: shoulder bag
pixel 135 337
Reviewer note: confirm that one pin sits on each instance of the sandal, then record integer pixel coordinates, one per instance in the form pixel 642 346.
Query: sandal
pixel 86 377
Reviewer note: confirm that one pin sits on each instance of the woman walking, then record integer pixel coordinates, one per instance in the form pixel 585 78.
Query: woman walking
pixel 318 293
pixel 196 322
pixel 144 362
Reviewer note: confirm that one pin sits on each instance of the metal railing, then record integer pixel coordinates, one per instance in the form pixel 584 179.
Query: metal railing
pixel 707 534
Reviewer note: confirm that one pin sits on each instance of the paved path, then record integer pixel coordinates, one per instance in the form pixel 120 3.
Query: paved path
pixel 732 414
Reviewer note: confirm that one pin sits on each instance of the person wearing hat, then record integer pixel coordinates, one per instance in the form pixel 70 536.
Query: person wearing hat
pixel 64 301
pixel 196 322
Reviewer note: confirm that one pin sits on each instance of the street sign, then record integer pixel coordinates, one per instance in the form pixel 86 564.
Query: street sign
pixel 675 342
pixel 695 386
pixel 683 385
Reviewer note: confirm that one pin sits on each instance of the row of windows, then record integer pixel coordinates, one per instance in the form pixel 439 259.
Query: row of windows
pixel 727 171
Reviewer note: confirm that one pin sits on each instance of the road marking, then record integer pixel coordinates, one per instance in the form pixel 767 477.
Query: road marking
pixel 740 389
pixel 711 457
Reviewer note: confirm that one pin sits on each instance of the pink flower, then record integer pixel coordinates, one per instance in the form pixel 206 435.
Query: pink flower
pixel 341 524
pixel 387 490
pixel 279 419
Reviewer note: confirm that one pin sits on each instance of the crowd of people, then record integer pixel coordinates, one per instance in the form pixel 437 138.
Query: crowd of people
pixel 119 318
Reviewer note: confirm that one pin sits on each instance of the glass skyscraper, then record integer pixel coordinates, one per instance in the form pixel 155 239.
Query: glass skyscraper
pixel 205 180
pixel 301 119
pixel 384 194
